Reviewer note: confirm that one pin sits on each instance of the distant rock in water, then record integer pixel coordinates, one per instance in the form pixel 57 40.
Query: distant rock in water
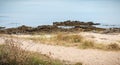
pixel 74 23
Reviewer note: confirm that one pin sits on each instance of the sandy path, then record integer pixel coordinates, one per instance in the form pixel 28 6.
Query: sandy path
pixel 87 57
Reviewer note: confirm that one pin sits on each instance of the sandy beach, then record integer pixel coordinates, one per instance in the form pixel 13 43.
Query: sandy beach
pixel 71 54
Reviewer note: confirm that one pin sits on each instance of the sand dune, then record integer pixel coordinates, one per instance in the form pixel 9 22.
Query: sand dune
pixel 86 56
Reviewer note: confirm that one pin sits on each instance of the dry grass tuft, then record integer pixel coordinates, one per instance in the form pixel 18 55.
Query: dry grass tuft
pixel 87 44
pixel 69 38
pixel 113 46
pixel 12 54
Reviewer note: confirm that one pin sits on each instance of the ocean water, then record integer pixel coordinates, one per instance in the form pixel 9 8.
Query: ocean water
pixel 108 26
pixel 10 22
pixel 15 13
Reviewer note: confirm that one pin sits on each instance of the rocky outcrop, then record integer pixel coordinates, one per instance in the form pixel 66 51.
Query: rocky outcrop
pixel 73 26
pixel 18 30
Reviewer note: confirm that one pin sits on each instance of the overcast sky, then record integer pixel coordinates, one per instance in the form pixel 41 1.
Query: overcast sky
pixel 39 12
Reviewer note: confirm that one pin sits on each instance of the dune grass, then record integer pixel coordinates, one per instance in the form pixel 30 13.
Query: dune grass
pixel 12 54
pixel 76 40
pixel 71 40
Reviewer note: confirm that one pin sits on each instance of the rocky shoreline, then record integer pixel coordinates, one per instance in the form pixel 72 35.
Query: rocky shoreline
pixel 66 26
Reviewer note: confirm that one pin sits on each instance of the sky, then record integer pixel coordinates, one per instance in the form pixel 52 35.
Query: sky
pixel 44 12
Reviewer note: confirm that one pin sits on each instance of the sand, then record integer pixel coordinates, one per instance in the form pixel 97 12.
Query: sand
pixel 85 56
pixel 102 38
